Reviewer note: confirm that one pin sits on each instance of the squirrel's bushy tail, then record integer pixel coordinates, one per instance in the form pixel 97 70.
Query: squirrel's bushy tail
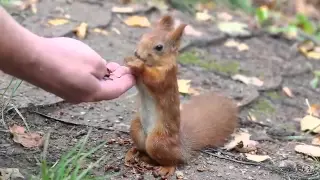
pixel 207 121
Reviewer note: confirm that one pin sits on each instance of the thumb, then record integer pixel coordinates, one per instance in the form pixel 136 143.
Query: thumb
pixel 111 89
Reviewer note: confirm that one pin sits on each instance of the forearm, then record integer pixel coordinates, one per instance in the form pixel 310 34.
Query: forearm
pixel 17 46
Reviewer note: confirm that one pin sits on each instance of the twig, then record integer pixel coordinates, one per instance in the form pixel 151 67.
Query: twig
pixel 230 159
pixel 77 123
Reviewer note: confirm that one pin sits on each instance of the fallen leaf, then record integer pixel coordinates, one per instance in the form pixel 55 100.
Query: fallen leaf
pixel 309 49
pixel 179 175
pixel 81 30
pixel 242 143
pixel 122 9
pixel 248 80
pixel 287 91
pixel 137 21
pixel 10 173
pixel 234 28
pixel 184 87
pixel 32 4
pixel 314 110
pixel 224 16
pixel 257 158
pixel 309 123
pixel 26 139
pixel 100 31
pixel 238 45
pixel 316 140
pixel 203 16
pixel 252 117
pixel 58 21
pixel 309 150
pixel 189 30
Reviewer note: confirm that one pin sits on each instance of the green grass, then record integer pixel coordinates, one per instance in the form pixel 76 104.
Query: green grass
pixel 226 66
pixel 70 166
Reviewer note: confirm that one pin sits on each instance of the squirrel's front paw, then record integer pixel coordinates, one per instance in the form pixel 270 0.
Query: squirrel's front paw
pixel 134 64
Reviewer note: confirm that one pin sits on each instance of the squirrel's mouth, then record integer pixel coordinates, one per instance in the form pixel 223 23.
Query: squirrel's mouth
pixel 138 56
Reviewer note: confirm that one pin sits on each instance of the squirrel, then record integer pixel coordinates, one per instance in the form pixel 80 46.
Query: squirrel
pixel 162 132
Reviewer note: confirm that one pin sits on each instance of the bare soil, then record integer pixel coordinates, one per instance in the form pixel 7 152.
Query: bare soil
pixel 269 58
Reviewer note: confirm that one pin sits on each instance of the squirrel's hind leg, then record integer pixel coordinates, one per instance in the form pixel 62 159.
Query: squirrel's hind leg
pixel 139 139
pixel 166 151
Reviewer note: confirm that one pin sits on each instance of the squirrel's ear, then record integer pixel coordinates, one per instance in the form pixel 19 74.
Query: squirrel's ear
pixel 165 23
pixel 175 36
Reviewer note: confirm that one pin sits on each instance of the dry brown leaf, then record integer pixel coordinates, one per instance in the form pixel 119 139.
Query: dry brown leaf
pixel 100 31
pixel 137 21
pixel 287 91
pixel 309 123
pixel 203 16
pixel 242 143
pixel 257 158
pixel 81 30
pixel 316 140
pixel 248 80
pixel 26 139
pixel 309 150
pixel 122 9
pixel 314 110
pixel 58 21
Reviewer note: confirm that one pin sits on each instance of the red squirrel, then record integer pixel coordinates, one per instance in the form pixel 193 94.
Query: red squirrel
pixel 161 132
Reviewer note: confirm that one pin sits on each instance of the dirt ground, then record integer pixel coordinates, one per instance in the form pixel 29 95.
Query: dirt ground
pixel 269 58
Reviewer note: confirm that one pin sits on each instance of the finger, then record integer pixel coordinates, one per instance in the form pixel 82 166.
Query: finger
pixel 112 66
pixel 114 89
pixel 122 70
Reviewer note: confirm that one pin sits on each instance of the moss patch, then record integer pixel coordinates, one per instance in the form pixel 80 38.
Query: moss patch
pixel 274 95
pixel 264 106
pixel 193 58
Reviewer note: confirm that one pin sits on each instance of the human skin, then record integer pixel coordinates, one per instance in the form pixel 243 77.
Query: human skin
pixel 63 66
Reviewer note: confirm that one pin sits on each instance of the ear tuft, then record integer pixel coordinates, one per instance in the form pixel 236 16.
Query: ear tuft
pixel 166 23
pixel 176 34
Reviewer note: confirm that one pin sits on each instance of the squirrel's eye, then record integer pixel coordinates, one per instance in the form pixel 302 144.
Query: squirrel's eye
pixel 158 47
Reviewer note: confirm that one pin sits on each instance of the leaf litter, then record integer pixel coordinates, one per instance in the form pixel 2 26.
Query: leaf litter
pixel 26 139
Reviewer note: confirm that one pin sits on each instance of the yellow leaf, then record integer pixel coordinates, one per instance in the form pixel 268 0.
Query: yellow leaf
pixel 122 9
pixel 203 16
pixel 313 55
pixel 309 123
pixel 248 80
pixel 81 30
pixel 309 150
pixel 100 31
pixel 58 21
pixel 239 46
pixel 243 47
pixel 137 21
pixel 184 86
pixel 257 158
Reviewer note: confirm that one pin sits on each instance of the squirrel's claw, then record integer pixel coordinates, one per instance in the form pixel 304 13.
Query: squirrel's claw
pixel 166 171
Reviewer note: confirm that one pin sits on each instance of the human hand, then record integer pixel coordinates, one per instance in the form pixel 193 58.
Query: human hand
pixel 75 72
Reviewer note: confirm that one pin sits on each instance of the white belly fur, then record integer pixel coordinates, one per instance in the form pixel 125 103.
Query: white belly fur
pixel 148 114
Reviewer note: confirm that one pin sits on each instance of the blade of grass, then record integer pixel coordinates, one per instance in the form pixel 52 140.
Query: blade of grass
pixel 22 117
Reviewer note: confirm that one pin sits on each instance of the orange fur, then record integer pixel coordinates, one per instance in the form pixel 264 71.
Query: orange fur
pixel 160 130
